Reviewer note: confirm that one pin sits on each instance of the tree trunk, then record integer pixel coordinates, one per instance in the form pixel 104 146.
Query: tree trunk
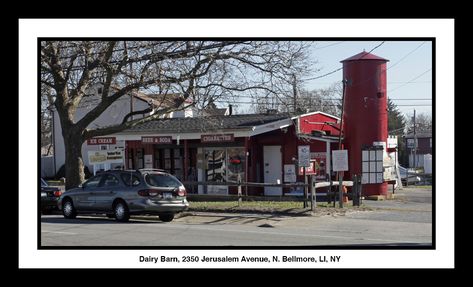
pixel 74 164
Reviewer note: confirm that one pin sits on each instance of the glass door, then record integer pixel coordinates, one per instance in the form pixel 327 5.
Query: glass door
pixel 215 170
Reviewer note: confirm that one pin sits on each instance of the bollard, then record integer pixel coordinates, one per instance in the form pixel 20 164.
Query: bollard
pixel 356 198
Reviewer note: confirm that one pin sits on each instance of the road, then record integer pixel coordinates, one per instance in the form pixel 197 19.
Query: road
pixel 406 221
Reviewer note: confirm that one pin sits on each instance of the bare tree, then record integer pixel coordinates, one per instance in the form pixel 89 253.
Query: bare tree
pixel 203 71
pixel 326 100
pixel 45 120
pixel 423 123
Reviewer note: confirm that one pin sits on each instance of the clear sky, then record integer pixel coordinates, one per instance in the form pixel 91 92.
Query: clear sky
pixel 409 73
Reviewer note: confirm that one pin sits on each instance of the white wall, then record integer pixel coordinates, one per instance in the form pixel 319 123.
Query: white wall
pixel 112 115
pixel 419 160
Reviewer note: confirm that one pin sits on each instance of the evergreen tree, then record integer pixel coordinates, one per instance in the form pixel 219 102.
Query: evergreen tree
pixel 396 126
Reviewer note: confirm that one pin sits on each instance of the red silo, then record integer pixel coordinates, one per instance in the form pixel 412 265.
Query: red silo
pixel 365 116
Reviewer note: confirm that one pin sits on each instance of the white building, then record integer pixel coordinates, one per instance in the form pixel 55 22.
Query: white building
pixel 111 116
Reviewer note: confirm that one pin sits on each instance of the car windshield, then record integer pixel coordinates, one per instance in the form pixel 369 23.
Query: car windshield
pixel 43 182
pixel 162 180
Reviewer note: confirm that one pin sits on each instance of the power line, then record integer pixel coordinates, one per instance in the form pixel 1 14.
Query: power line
pixel 400 60
pixel 374 49
pixel 423 99
pixel 417 82
pixel 415 78
pixel 330 45
pixel 420 105
pixel 334 71
pixel 324 75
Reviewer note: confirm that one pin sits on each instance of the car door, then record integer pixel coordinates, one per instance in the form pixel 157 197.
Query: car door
pixel 106 192
pixel 85 199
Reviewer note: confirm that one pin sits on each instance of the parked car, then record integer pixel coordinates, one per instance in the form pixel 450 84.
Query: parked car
pixel 49 197
pixel 121 193
pixel 408 176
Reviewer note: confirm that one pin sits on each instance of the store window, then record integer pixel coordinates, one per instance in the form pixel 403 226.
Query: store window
pixel 236 164
pixel 215 170
pixel 139 163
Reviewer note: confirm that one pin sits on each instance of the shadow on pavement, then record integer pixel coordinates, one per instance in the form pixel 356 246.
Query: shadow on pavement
pixel 96 220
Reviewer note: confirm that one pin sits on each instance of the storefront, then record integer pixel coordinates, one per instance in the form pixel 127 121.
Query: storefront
pixel 254 148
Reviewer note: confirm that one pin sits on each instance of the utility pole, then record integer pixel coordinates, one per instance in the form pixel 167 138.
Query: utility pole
pixel 294 92
pixel 340 173
pixel 126 79
pixel 415 140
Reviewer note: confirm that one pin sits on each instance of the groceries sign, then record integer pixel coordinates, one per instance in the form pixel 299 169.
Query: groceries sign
pixel 97 141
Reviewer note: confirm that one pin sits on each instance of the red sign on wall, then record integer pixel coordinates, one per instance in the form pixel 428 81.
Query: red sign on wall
pixel 308 170
pixel 216 138
pixel 156 140
pixel 97 141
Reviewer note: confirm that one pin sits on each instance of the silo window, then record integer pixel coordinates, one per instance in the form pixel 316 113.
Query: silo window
pixel 380 94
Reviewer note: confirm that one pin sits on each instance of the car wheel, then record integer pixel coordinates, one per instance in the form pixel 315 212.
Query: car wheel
pixel 68 210
pixel 121 212
pixel 166 217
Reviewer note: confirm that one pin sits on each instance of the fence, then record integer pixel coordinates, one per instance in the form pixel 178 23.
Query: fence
pixel 312 186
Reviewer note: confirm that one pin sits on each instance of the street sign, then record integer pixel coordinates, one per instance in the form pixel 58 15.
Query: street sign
pixel 304 155
pixel 340 160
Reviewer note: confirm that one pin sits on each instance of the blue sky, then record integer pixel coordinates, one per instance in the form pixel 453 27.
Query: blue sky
pixel 409 78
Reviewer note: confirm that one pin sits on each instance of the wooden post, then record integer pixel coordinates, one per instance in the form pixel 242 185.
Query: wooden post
pixel 246 163
pixel 239 189
pixel 313 199
pixel 340 189
pixel 186 160
pixel 354 190
pixel 305 188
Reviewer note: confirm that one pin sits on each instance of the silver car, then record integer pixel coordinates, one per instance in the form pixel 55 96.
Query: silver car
pixel 120 194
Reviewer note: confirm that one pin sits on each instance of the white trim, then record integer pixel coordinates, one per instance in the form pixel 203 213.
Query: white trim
pixel 328 167
pixel 318 138
pixel 182 136
pixel 271 127
pixel 251 131
pixel 314 113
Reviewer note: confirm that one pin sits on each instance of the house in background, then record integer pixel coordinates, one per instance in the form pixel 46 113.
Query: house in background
pixel 113 115
pixel 422 147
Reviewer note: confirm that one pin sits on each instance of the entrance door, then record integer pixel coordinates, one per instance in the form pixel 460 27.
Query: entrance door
pixel 272 169
pixel 216 170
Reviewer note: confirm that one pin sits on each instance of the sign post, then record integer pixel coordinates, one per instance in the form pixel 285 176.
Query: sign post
pixel 340 164
pixel 313 199
pixel 304 161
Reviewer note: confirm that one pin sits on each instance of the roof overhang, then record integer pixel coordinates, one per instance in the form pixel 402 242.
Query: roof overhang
pixel 314 113
pixel 261 129
pixel 322 138
pixel 241 132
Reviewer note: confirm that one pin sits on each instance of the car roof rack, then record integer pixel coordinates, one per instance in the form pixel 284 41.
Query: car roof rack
pixel 150 169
